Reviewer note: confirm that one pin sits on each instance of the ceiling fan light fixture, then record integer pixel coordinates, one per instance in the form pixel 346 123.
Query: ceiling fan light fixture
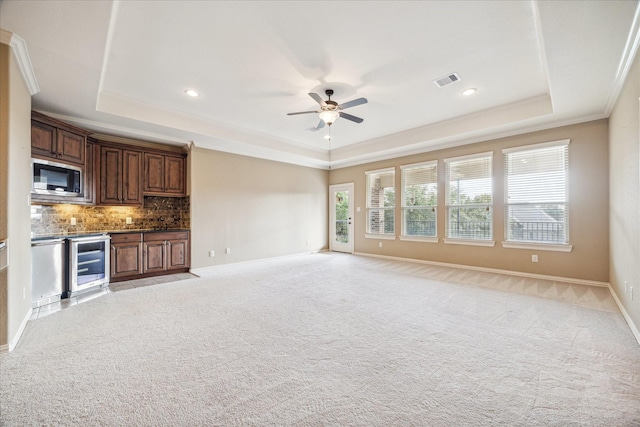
pixel 329 116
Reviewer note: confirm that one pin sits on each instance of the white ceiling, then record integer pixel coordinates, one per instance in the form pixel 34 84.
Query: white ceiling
pixel 121 67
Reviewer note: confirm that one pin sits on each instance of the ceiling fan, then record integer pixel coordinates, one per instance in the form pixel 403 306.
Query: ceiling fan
pixel 331 110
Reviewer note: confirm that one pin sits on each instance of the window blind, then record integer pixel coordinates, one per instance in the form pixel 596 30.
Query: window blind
pixel 536 193
pixel 469 197
pixel 381 201
pixel 419 199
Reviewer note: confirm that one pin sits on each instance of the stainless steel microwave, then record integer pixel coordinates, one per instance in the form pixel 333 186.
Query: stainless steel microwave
pixel 56 178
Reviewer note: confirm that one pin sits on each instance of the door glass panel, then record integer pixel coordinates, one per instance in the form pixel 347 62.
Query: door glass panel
pixel 91 262
pixel 342 216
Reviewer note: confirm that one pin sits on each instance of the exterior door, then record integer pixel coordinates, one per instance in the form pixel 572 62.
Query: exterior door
pixel 341 218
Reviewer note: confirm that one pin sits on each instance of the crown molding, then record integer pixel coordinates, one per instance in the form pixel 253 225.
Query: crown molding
pixel 626 61
pixel 21 52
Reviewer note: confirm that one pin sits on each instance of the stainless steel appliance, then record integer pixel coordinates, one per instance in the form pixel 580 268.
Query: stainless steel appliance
pixel 88 263
pixel 56 178
pixel 47 271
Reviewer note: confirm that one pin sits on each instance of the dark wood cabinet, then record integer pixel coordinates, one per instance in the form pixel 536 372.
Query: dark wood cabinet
pixel 178 253
pixel 115 173
pixel 55 140
pixel 52 143
pixel 120 174
pixel 164 174
pixel 126 255
pixel 156 253
pixel 155 256
pixel 166 251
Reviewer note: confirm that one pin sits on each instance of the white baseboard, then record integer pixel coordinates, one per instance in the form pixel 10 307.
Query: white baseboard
pixel 494 270
pixel 627 318
pixel 14 342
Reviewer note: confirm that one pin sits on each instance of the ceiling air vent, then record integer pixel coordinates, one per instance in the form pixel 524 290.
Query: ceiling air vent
pixel 448 79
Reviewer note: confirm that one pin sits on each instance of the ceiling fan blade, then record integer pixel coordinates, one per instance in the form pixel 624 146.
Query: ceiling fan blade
pixel 302 112
pixel 320 125
pixel 350 117
pixel 318 99
pixel 353 103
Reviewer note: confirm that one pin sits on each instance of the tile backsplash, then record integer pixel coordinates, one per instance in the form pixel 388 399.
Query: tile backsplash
pixel 156 213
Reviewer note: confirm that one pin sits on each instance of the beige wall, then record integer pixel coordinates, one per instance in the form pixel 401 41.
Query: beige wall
pixel 624 202
pixel 15 299
pixel 258 208
pixel 5 51
pixel 588 192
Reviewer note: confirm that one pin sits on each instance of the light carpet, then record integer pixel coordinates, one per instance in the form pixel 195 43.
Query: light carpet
pixel 333 340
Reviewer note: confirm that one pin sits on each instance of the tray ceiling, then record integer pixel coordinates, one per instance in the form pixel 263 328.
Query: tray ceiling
pixel 123 67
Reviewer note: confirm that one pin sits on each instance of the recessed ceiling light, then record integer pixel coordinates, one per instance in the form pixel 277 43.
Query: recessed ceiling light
pixel 192 93
pixel 469 91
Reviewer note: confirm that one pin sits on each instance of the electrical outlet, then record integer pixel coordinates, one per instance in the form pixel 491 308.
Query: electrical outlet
pixel 73 221
pixel 227 251
pixel 380 244
pixel 212 253
pixel 534 258
pixel 129 220
pixel 307 243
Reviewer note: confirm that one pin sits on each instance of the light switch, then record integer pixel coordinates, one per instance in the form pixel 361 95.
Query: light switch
pixel 73 221
pixel 129 220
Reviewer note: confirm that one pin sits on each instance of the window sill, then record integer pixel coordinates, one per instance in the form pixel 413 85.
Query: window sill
pixel 380 236
pixel 538 246
pixel 469 242
pixel 420 239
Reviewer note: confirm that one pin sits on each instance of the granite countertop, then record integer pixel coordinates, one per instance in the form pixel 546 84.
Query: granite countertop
pixel 101 233
pixel 148 230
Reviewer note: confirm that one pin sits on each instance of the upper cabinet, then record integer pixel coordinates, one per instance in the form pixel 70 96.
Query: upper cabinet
pixel 52 139
pixel 120 171
pixel 164 174
pixel 115 172
pixel 60 142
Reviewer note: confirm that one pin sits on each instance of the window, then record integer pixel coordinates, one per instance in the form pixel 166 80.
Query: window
pixel 419 199
pixel 381 202
pixel 469 197
pixel 536 184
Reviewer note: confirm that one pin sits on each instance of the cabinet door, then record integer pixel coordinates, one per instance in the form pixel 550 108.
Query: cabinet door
pixel 153 173
pixel 43 139
pixel 70 147
pixel 126 259
pixel 110 176
pixel 174 179
pixel 131 174
pixel 154 256
pixel 177 254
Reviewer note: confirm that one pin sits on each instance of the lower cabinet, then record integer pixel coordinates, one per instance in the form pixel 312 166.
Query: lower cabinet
pixel 148 254
pixel 126 255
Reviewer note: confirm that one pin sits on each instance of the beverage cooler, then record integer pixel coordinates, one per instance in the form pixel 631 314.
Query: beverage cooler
pixel 88 263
